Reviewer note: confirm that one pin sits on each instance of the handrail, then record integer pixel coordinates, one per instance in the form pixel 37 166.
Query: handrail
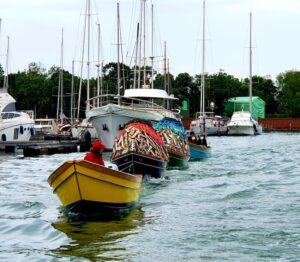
pixel 124 101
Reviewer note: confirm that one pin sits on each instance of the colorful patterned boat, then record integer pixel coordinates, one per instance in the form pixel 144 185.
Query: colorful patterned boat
pixel 139 149
pixel 174 136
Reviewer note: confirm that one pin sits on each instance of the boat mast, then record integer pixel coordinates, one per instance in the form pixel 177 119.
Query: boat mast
pixel 165 65
pixel 136 55
pixel 140 44
pixel 60 114
pixel 165 72
pixel 72 93
pixel 202 89
pixel 5 82
pixel 118 51
pixel 152 52
pixel 144 38
pixel 98 66
pixel 82 58
pixel 88 57
pixel 250 66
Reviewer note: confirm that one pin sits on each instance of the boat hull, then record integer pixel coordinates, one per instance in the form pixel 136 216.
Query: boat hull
pixel 177 160
pixel 108 120
pixel 17 130
pixel 240 130
pixel 198 152
pixel 87 188
pixel 141 164
pixel 242 124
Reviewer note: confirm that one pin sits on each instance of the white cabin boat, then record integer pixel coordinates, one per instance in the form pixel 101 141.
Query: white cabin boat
pixel 114 112
pixel 242 123
pixel 214 125
pixel 45 126
pixel 15 126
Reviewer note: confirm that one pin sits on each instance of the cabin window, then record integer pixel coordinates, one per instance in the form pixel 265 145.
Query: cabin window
pixel 9 107
pixel 16 133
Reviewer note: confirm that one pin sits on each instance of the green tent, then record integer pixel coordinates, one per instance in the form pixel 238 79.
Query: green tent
pixel 242 104
pixel 185 109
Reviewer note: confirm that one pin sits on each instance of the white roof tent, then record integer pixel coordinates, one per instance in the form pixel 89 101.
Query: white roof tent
pixel 148 93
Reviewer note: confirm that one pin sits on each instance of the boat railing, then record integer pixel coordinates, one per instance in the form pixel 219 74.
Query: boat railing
pixel 206 114
pixel 103 100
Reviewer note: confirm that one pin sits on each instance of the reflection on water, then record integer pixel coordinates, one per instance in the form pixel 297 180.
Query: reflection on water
pixel 98 240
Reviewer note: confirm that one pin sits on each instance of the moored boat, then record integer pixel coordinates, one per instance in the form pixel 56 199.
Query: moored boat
pixel 174 136
pixel 198 152
pixel 197 141
pixel 243 124
pixel 139 149
pixel 87 188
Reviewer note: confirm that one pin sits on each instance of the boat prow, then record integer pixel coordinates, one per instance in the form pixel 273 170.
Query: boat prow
pixel 198 152
pixel 87 188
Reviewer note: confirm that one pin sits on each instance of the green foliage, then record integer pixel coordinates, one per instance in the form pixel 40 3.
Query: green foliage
pixel 289 96
pixel 184 89
pixel 219 88
pixel 1 71
pixel 36 89
pixel 266 90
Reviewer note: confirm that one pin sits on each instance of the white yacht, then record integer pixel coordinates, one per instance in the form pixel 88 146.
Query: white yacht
pixel 110 117
pixel 242 123
pixel 214 125
pixel 109 113
pixel 15 126
pixel 45 126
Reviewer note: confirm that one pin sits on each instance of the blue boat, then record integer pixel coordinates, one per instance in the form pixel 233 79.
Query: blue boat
pixel 198 152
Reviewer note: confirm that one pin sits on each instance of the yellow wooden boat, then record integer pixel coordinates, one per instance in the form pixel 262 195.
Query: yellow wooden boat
pixel 88 188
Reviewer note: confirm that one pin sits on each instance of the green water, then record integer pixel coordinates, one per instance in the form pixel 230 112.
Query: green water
pixel 243 204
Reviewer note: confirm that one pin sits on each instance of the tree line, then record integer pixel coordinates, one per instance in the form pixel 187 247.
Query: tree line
pixel 36 89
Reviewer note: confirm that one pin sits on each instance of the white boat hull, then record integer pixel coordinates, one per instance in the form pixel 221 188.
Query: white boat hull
pixel 108 120
pixel 242 123
pixel 213 126
pixel 16 130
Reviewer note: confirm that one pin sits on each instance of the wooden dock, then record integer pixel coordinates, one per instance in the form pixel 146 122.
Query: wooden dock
pixel 41 147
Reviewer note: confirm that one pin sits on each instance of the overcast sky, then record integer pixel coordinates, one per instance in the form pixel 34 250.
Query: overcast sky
pixel 34 28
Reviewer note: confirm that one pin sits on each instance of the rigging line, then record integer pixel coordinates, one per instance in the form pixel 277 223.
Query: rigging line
pixel 132 30
pixel 78 31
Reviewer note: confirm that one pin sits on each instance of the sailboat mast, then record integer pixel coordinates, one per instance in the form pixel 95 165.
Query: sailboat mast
pixel 5 82
pixel 98 65
pixel 250 66
pixel 165 66
pixel 202 89
pixel 61 76
pixel 144 38
pixel 88 56
pixel 152 48
pixel 0 34
pixel 72 93
pixel 140 45
pixel 165 71
pixel 118 52
pixel 136 55
pixel 202 103
pixel 82 59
